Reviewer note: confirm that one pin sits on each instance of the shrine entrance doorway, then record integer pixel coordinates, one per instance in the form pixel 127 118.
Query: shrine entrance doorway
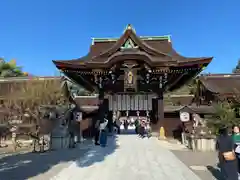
pixel 132 106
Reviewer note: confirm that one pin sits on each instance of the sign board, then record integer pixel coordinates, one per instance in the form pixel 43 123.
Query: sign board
pixel 79 116
pixel 15 121
pixel 184 116
pixel 13 129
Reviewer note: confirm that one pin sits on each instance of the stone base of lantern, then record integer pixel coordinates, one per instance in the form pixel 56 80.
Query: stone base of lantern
pixel 199 142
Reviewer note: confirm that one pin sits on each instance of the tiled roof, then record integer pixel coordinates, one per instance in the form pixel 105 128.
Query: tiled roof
pixel 203 109
pixel 222 83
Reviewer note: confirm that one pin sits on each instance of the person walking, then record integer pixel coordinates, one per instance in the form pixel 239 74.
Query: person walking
pixel 226 154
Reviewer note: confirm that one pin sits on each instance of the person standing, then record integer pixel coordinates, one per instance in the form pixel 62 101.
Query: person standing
pixel 227 157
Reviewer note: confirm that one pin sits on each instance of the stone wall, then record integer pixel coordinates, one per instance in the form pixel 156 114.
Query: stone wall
pixel 199 143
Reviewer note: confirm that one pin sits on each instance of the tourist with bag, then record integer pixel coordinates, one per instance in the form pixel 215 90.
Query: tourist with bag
pixel 227 156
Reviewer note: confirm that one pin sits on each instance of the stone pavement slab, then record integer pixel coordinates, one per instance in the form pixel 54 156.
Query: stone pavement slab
pixel 204 164
pixel 40 166
pixel 128 157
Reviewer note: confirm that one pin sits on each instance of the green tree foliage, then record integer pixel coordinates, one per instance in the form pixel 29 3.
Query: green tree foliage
pixel 237 68
pixel 225 116
pixel 10 69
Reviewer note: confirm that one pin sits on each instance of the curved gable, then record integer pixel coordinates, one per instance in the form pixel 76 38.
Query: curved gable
pixel 129 40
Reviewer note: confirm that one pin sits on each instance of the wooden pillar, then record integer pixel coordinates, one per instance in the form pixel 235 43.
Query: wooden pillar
pixel 160 100
pixel 160 113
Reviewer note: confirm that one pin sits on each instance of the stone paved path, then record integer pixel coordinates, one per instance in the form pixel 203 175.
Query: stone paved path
pixel 128 158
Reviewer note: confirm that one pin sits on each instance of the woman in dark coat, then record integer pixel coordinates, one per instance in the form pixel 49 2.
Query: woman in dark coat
pixel 227 157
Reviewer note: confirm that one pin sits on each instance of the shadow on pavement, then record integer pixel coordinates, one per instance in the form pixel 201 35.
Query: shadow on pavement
pixel 215 172
pixel 29 165
pixel 98 153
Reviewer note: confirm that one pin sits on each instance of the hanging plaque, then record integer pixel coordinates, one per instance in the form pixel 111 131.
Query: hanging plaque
pixel 119 102
pixel 145 102
pixel 124 105
pixel 132 102
pixel 128 102
pixel 149 102
pixel 78 116
pixel 110 102
pixel 140 102
pixel 136 102
pixel 184 116
pixel 114 102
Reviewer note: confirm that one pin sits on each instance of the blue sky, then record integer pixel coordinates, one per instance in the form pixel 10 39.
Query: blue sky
pixel 36 31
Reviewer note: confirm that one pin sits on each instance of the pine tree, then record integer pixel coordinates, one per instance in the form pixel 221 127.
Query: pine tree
pixel 237 68
pixel 10 69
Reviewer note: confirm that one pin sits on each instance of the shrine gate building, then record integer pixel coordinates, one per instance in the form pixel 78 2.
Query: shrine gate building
pixel 131 73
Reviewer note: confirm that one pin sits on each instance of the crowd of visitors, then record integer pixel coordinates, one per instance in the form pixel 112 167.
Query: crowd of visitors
pixel 102 128
pixel 142 126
